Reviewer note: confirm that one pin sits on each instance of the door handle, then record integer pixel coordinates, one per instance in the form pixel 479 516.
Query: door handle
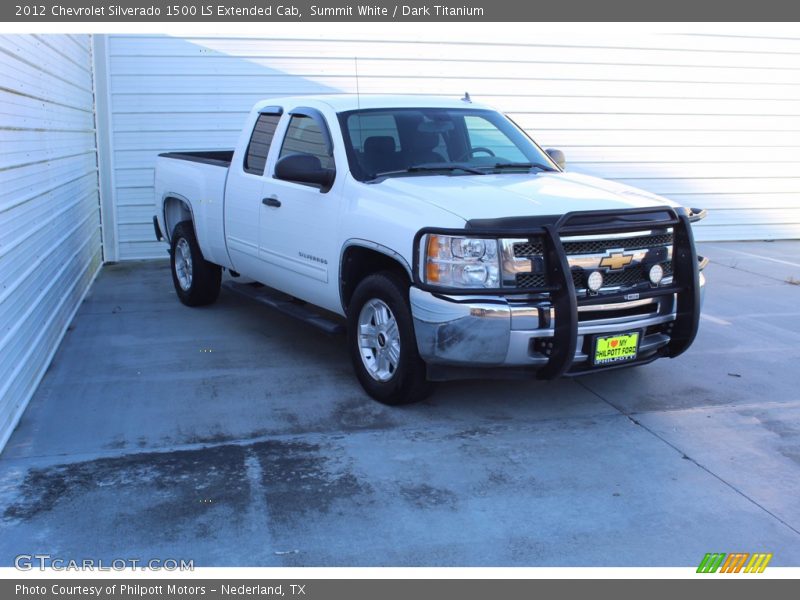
pixel 271 201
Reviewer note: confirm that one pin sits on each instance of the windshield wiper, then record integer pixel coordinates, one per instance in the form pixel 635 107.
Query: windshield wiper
pixel 431 168
pixel 521 165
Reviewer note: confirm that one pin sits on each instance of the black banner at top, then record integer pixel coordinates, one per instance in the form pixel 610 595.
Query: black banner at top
pixel 41 11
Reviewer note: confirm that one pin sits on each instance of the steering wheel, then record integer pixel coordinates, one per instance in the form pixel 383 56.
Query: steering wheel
pixel 481 149
pixel 469 153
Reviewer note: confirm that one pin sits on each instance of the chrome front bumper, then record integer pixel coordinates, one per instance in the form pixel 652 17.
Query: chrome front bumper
pixel 494 332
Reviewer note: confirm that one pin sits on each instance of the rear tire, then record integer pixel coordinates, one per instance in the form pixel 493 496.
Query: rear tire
pixel 196 280
pixel 381 341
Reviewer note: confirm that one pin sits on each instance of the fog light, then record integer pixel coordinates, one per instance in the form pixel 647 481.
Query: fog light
pixel 595 281
pixel 656 274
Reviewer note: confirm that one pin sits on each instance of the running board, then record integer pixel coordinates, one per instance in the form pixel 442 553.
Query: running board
pixel 271 298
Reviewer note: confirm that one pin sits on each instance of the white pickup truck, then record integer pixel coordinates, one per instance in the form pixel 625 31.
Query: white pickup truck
pixel 446 242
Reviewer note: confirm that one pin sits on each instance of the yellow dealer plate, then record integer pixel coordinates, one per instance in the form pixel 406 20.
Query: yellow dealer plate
pixel 616 348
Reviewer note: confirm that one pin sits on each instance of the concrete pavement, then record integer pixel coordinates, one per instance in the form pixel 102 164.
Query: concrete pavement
pixel 235 436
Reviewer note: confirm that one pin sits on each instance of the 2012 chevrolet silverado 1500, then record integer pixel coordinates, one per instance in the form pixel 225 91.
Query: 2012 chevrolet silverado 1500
pixel 449 243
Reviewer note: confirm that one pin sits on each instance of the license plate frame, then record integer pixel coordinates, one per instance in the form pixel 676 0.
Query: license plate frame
pixel 625 340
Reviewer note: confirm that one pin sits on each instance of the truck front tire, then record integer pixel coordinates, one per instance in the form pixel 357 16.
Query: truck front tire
pixel 196 280
pixel 381 341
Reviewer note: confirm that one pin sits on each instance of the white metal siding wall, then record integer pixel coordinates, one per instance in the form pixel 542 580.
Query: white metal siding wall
pixel 711 121
pixel 49 212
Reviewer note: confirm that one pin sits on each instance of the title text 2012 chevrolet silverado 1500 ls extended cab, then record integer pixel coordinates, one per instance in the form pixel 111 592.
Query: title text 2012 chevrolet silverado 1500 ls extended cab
pixel 449 241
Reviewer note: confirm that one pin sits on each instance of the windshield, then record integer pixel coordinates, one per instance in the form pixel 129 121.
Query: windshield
pixel 412 141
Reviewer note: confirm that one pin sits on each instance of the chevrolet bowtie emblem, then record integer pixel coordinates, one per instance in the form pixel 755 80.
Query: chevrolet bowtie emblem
pixel 616 261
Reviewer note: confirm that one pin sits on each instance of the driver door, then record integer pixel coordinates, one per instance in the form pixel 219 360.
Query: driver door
pixel 299 221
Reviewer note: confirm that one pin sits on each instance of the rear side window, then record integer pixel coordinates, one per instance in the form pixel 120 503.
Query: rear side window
pixel 258 148
pixel 305 137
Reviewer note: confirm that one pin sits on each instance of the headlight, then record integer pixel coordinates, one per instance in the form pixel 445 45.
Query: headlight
pixel 459 262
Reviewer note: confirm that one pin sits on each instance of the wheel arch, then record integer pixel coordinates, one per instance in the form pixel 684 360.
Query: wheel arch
pixel 361 258
pixel 176 209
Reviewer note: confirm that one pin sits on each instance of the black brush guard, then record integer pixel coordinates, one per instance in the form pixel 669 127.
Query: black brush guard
pixel 685 282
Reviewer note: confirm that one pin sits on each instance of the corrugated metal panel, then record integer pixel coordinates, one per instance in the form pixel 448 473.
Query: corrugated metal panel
pixel 49 213
pixel 708 120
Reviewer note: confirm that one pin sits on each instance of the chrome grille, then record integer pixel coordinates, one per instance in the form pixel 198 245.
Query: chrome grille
pixel 523 259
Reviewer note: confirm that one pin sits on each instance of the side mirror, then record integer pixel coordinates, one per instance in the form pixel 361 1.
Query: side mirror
pixel 306 169
pixel 558 157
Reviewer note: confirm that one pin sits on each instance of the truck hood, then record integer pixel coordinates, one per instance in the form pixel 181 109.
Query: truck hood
pixel 516 195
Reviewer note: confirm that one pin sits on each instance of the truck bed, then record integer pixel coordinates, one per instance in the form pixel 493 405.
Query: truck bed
pixel 219 158
pixel 197 177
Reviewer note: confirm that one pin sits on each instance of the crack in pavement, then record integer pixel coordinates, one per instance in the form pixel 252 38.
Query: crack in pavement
pixel 258 510
pixel 685 456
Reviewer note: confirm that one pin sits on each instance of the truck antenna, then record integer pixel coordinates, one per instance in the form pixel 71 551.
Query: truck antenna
pixel 358 105
pixel 358 90
pixel 466 98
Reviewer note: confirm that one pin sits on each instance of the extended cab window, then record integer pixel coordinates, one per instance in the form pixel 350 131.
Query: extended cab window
pixel 305 137
pixel 258 148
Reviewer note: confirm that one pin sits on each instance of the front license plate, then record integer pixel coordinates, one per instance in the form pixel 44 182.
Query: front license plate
pixel 616 348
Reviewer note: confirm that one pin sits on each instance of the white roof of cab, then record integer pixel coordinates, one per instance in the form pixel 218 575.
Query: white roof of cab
pixel 345 102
